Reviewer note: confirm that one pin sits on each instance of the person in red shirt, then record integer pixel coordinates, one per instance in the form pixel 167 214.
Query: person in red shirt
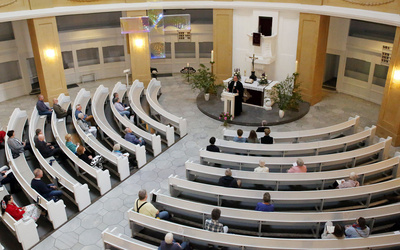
pixel 24 213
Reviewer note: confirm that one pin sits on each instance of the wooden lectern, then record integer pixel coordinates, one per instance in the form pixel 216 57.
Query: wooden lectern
pixel 229 97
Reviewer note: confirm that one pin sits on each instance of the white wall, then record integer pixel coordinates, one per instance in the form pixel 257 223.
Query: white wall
pixel 285 24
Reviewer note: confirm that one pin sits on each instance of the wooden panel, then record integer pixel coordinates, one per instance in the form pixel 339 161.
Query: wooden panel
pixel 391 6
pixel 389 115
pixel 140 55
pixel 311 52
pixel 50 70
pixel 222 43
pixel 42 4
pixel 14 5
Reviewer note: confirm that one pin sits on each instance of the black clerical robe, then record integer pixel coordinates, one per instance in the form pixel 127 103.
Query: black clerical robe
pixel 238 88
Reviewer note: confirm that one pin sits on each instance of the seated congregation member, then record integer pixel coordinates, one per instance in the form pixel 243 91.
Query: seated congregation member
pixel 25 213
pixel 48 191
pixel 87 118
pixel 117 151
pixel 266 205
pixel 70 144
pixel 252 137
pixel 16 146
pixel 228 180
pixel 351 182
pixel 170 244
pixel 358 229
pixel 213 224
pixel 337 233
pixel 7 177
pixel 212 147
pixel 47 150
pixel 130 137
pixel 267 139
pixel 239 137
pixel 143 207
pixel 298 167
pixel 38 131
pixel 89 159
pixel 263 126
pixel 42 108
pixel 83 124
pixel 120 108
pixel 261 168
pixel 60 112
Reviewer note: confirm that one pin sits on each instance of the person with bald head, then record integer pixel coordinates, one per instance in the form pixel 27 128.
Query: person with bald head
pixel 60 112
pixel 170 244
pixel 42 108
pixel 48 191
pixel 47 150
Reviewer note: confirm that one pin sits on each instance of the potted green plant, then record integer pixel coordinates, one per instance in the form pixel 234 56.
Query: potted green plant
pixel 203 80
pixel 287 94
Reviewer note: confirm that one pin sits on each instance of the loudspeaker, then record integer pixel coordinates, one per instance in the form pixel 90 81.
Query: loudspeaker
pixel 256 39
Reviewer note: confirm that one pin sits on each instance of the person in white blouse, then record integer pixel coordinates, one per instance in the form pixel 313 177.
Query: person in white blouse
pixel 261 168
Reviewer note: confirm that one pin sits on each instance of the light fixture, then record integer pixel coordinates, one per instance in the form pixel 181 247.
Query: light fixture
pixel 396 76
pixel 139 43
pixel 50 53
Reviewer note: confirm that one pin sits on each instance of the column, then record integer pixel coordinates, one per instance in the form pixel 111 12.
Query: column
pixel 389 115
pixel 311 53
pixel 48 59
pixel 222 43
pixel 139 52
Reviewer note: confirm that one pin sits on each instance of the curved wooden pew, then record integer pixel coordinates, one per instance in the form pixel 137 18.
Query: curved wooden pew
pixel 139 221
pixel 345 128
pixel 60 131
pixel 378 151
pixel 303 148
pixel 286 220
pixel 79 191
pixel 121 162
pixel 24 231
pixel 114 240
pixel 316 199
pixel 98 101
pixel 24 175
pixel 152 139
pixel 318 180
pixel 135 93
pixel 151 97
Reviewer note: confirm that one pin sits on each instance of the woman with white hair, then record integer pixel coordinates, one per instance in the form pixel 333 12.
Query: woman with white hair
pixel 169 243
pixel 351 182
pixel 298 167
pixel 85 126
pixel 261 168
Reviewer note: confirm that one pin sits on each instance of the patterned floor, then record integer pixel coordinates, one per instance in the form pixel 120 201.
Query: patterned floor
pixel 84 231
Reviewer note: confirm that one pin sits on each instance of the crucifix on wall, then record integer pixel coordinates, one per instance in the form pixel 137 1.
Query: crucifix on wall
pixel 253 73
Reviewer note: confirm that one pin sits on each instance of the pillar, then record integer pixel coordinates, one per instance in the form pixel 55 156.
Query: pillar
pixel 48 59
pixel 311 53
pixel 139 52
pixel 222 43
pixel 389 115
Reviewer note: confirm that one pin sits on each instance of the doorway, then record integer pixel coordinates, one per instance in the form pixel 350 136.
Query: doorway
pixel 331 71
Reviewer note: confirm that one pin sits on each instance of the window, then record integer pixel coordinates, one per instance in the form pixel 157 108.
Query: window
pixel 6 31
pixel 9 71
pixel 205 49
pixel 88 56
pixel 185 50
pixel 113 54
pixel 68 60
pixel 357 69
pixel 167 50
pixel 372 31
pixel 89 21
pixel 380 74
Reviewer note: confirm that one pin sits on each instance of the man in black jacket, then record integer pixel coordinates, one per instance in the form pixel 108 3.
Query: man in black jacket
pixel 48 191
pixel 48 150
pixel 212 147
pixel 228 180
pixel 60 112
pixel 267 139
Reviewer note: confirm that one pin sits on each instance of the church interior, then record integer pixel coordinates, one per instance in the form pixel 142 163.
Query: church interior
pixel 339 58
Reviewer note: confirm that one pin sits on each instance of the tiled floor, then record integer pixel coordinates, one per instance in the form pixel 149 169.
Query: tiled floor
pixel 84 231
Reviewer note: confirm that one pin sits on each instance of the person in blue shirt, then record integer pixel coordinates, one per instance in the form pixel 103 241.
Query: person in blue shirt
pixel 42 107
pixel 239 138
pixel 265 206
pixel 129 136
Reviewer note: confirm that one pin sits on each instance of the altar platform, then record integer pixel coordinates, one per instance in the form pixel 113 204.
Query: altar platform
pixel 251 115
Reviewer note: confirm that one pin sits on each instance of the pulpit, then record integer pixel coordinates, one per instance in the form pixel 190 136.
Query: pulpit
pixel 229 102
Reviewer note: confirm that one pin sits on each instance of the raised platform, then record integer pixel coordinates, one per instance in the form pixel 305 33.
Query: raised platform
pixel 251 115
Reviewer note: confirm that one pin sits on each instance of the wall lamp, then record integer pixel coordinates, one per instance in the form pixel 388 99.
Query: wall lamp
pixel 50 53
